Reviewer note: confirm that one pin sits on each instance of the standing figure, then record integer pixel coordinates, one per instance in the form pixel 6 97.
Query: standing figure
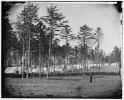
pixel 91 78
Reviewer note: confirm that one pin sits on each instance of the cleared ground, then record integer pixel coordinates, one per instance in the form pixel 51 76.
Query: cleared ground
pixel 102 86
pixel 105 69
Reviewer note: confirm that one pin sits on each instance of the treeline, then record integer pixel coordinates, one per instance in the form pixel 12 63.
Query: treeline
pixel 35 41
pixel 114 56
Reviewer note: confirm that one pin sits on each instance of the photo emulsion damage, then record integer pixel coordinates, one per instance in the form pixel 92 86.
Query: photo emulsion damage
pixel 61 50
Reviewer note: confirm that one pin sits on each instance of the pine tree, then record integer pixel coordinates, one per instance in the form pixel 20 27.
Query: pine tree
pixel 98 36
pixel 39 31
pixel 65 34
pixel 25 19
pixel 54 20
pixel 86 38
pixel 9 37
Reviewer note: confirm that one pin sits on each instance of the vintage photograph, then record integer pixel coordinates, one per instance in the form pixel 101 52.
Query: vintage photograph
pixel 53 49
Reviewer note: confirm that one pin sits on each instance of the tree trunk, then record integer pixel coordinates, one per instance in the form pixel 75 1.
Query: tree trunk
pixel 31 63
pixel 8 58
pixel 66 54
pixel 25 63
pixel 49 55
pixel 86 58
pixel 98 56
pixel 40 57
pixel 76 61
pixel 119 65
pixel 22 66
pixel 87 65
pixel 84 67
pixel 49 61
pixel 81 62
pixel 29 57
pixel 54 62
pixel 72 65
pixel 23 60
pixel 98 53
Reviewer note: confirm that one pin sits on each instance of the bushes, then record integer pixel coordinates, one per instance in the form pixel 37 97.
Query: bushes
pixel 101 73
pixel 93 73
pixel 62 74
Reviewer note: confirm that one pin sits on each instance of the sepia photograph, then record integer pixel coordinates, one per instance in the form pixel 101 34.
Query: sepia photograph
pixel 61 49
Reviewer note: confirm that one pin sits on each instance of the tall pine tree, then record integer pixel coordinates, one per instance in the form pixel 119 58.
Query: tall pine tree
pixel 85 37
pixel 54 20
pixel 65 34
pixel 25 19
pixel 98 36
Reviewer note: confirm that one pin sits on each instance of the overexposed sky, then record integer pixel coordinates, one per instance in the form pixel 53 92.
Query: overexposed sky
pixel 104 16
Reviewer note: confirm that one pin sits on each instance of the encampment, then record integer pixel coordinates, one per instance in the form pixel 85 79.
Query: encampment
pixel 114 64
pixel 10 70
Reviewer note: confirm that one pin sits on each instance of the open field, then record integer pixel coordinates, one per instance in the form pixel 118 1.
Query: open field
pixel 105 69
pixel 102 86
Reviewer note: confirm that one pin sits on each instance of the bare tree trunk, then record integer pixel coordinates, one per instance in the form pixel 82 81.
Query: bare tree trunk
pixel 8 58
pixel 98 56
pixel 86 58
pixel 54 62
pixel 81 62
pixel 40 57
pixel 76 60
pixel 31 63
pixel 84 67
pixel 49 55
pixel 23 59
pixel 49 60
pixel 64 65
pixel 87 65
pixel 98 53
pixel 22 66
pixel 119 65
pixel 29 57
pixel 66 55
pixel 25 63
pixel 72 65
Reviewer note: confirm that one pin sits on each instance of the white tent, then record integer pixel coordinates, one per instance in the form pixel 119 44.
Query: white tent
pixel 78 66
pixel 14 70
pixel 19 70
pixel 11 70
pixel 35 70
pixel 106 64
pixel 114 64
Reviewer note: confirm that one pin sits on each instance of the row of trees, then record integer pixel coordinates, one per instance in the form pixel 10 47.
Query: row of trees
pixel 36 41
pixel 114 56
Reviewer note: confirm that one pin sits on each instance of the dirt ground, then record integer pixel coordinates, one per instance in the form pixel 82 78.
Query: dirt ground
pixel 105 69
pixel 102 86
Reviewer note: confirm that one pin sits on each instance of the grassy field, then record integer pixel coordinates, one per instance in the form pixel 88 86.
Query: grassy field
pixel 102 86
pixel 105 69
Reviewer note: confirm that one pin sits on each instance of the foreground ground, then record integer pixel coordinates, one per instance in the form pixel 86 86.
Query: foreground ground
pixel 76 86
pixel 102 86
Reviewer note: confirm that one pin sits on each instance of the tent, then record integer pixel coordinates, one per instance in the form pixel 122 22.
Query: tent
pixel 114 64
pixel 106 64
pixel 19 70
pixel 37 70
pixel 10 70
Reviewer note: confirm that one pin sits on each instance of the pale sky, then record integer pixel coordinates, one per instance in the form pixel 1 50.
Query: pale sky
pixel 104 16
